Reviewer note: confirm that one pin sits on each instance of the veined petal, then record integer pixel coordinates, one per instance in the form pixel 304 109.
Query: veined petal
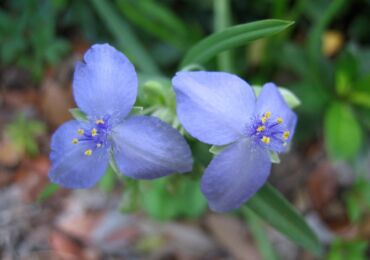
pixel 147 148
pixel 105 83
pixel 235 175
pixel 270 100
pixel 214 107
pixel 71 168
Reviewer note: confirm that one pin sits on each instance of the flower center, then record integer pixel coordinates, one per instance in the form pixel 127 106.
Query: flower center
pixel 268 128
pixel 95 135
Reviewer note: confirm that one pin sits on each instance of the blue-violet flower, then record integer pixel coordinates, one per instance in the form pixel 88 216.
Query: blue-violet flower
pixel 221 109
pixel 105 87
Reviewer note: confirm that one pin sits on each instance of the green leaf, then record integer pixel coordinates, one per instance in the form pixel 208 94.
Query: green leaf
pixel 232 37
pixel 216 149
pixel 259 235
pixel 274 157
pixel 343 134
pixel 78 114
pixel 272 207
pixel 125 37
pixel 47 192
pixel 352 249
pixel 346 73
pixel 290 98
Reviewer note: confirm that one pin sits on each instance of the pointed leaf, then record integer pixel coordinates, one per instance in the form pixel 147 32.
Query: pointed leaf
pixel 272 207
pixel 232 37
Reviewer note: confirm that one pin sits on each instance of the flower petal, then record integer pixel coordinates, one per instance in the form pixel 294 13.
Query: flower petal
pixel 271 100
pixel 235 175
pixel 71 168
pixel 214 107
pixel 105 83
pixel 147 148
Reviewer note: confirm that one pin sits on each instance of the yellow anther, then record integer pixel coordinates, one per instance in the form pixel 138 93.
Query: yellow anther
pixel 265 139
pixel 80 131
pixel 267 114
pixel 279 120
pixel 74 141
pixel 261 128
pixel 263 119
pixel 94 132
pixel 99 122
pixel 286 135
pixel 98 145
pixel 88 152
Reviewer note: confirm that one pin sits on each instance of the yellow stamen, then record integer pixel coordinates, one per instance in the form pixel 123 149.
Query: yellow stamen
pixel 80 131
pixel 279 120
pixel 88 152
pixel 99 122
pixel 94 132
pixel 261 128
pixel 74 141
pixel 267 114
pixel 286 135
pixel 98 145
pixel 263 119
pixel 265 139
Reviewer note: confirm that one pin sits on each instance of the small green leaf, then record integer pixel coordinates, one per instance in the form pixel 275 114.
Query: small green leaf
pixel 216 149
pixel 343 134
pixel 232 37
pixel 137 110
pixel 290 98
pixel 272 207
pixel 47 192
pixel 274 157
pixel 78 114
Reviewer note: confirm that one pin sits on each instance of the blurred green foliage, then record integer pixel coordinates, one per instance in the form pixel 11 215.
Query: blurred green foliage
pixel 23 133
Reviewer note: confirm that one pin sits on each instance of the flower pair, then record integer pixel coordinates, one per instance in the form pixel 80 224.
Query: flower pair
pixel 215 107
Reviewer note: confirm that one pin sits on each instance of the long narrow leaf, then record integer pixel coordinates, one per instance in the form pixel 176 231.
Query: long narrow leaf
pixel 125 37
pixel 272 207
pixel 232 37
pixel 258 232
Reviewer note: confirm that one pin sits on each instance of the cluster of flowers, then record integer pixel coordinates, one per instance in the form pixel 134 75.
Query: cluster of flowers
pixel 215 107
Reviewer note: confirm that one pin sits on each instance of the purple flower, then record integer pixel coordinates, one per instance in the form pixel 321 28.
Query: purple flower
pixel 221 109
pixel 105 88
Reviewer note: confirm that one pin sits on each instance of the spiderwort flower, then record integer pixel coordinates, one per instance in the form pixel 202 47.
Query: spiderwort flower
pixel 105 88
pixel 221 109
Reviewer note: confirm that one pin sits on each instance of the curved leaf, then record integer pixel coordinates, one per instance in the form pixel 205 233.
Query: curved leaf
pixel 272 207
pixel 232 37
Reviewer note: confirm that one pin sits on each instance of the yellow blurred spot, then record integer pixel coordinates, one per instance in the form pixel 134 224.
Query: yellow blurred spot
pixel 265 139
pixel 261 128
pixel 286 135
pixel 88 152
pixel 263 119
pixel 267 114
pixel 279 120
pixel 74 141
pixel 332 41
pixel 94 132
pixel 80 131
pixel 99 122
